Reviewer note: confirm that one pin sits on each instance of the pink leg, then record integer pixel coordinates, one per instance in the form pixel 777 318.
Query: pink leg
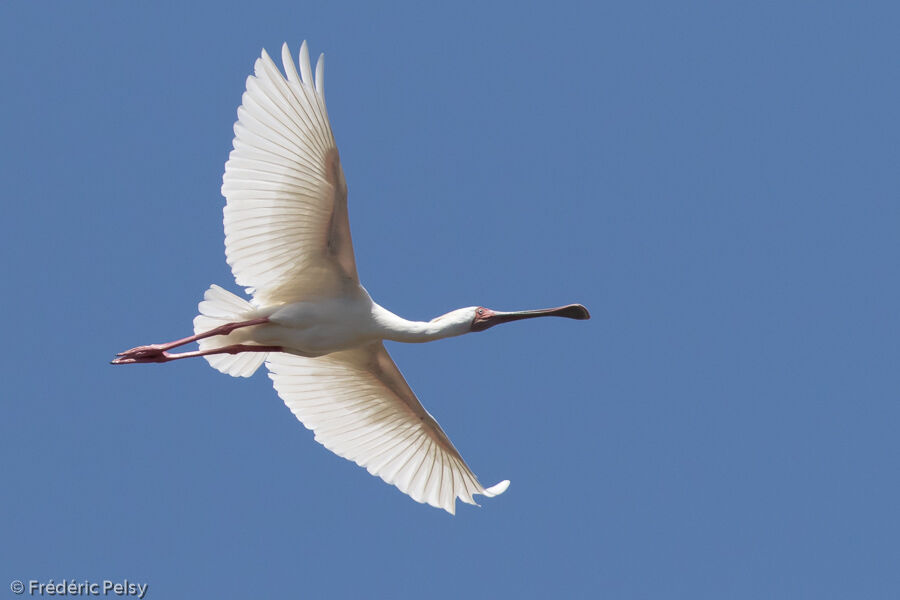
pixel 155 350
pixel 164 356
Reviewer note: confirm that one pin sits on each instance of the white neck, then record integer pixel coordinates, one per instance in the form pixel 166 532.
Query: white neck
pixel 398 329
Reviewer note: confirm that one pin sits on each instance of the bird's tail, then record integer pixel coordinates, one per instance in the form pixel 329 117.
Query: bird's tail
pixel 219 306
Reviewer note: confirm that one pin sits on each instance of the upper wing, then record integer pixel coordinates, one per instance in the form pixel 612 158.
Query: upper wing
pixel 287 235
pixel 360 407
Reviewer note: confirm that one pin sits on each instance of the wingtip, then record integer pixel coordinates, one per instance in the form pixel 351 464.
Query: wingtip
pixel 305 70
pixel 496 490
pixel 304 53
pixel 320 75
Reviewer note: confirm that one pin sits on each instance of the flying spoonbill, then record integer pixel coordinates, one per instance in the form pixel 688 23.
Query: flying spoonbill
pixel 287 240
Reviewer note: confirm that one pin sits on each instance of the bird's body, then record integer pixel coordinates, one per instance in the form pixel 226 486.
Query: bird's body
pixel 319 333
pixel 317 327
pixel 312 327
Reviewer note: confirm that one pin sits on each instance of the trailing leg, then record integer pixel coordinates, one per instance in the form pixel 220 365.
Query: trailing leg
pixel 163 356
pixel 152 350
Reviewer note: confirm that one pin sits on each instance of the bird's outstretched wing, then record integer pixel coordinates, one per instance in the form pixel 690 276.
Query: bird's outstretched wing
pixel 287 234
pixel 360 407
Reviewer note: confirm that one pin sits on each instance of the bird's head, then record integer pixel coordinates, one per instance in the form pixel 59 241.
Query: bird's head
pixel 479 318
pixel 457 322
pixel 484 318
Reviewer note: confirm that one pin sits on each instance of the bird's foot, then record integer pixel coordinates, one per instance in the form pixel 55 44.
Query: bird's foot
pixel 141 354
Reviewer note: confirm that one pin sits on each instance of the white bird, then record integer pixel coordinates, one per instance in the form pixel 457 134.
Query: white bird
pixel 287 240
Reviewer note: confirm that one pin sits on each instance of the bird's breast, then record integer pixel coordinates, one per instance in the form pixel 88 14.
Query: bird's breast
pixel 317 328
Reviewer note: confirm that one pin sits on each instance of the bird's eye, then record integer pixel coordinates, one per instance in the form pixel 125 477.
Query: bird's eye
pixel 480 311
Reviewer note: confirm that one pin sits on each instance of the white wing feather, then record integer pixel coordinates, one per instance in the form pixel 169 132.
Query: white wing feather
pixel 287 234
pixel 360 407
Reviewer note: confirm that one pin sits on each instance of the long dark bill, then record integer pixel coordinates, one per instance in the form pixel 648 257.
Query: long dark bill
pixel 489 318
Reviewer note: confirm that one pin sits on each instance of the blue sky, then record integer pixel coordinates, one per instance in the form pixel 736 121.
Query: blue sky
pixel 717 182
